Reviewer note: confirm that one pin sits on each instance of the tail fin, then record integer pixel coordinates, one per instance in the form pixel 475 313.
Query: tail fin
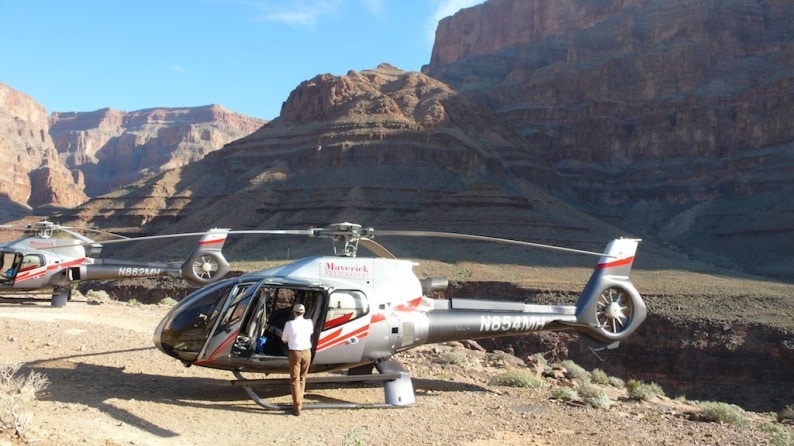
pixel 206 263
pixel 610 308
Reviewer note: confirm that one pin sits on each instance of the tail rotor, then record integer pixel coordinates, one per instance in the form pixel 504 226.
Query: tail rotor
pixel 206 263
pixel 610 308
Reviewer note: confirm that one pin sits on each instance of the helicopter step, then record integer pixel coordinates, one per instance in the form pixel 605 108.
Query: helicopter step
pixel 398 388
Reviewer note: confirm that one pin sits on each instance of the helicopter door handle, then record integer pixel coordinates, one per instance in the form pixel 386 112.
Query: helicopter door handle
pixel 352 340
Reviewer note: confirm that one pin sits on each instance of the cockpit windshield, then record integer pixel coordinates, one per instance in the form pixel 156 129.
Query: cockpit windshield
pixel 184 332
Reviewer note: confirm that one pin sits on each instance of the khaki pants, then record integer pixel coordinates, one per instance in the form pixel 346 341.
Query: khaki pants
pixel 298 368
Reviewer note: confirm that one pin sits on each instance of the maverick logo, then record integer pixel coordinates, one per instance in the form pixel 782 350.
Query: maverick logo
pixel 347 271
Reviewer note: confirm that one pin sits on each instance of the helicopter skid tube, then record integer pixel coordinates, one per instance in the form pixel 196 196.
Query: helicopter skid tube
pixel 397 386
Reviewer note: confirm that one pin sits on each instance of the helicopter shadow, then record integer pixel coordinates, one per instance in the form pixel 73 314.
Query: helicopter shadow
pixel 96 385
pixel 423 388
pixel 74 380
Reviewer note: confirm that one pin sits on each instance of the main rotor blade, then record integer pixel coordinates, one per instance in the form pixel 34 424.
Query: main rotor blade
pixel 96 231
pixel 376 248
pixel 482 238
pixel 275 231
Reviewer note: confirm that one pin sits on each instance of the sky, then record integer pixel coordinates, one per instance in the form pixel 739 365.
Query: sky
pixel 245 55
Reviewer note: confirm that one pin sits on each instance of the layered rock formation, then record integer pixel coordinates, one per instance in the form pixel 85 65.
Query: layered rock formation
pixel 382 147
pixel 113 148
pixel 671 118
pixel 61 160
pixel 34 175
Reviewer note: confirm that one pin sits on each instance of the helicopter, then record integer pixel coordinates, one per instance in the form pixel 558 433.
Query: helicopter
pixel 54 256
pixel 367 309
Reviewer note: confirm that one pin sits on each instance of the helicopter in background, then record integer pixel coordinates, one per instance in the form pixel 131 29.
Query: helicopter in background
pixel 54 256
pixel 367 309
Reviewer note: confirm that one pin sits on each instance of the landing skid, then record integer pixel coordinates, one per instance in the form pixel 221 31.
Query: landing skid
pixel 397 385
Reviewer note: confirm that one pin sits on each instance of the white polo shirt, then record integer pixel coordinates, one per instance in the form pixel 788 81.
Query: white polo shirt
pixel 298 334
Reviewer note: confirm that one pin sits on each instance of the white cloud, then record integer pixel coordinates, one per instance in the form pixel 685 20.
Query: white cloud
pixel 376 7
pixel 176 68
pixel 302 13
pixel 446 8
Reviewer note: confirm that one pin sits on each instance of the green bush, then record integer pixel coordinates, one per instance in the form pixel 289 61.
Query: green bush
pixel 599 376
pixel 786 414
pixel 575 370
pixel 540 359
pixel 565 393
pixel 518 378
pixel 594 396
pixel 454 357
pixel 779 435
pixel 616 382
pixel 642 391
pixel 722 413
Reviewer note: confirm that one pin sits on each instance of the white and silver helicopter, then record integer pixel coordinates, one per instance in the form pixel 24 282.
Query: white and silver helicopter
pixel 366 309
pixel 54 256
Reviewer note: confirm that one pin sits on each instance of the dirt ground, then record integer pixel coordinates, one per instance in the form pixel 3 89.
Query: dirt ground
pixel 108 385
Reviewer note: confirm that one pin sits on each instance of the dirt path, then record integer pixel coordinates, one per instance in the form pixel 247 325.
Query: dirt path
pixel 110 386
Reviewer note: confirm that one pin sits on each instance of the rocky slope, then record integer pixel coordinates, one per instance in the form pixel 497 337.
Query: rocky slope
pixel 666 117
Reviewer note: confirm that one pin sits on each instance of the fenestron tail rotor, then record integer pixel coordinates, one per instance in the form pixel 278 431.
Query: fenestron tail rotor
pixel 206 267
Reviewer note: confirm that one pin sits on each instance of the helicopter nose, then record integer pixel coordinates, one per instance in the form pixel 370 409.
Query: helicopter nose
pixel 176 339
pixel 158 336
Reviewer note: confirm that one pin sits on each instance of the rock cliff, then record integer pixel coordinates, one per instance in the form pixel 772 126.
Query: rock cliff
pixel 34 174
pixel 61 160
pixel 670 118
pixel 113 148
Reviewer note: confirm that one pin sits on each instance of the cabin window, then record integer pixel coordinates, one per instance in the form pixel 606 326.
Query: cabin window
pixel 344 306
pixel 31 261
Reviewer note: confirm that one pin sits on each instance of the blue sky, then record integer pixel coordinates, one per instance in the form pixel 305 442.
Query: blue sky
pixel 246 55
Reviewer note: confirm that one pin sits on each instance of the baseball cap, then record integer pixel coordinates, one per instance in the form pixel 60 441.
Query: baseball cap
pixel 299 309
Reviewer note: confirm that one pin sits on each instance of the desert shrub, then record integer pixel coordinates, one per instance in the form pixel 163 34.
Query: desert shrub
pixel 642 391
pixel 98 294
pixel 564 393
pixel 518 378
pixel 575 370
pixel 453 357
pixel 716 412
pixel 354 438
pixel 616 382
pixel 168 301
pixel 540 359
pixel 594 396
pixel 786 414
pixel 599 376
pixel 778 435
pixel 15 393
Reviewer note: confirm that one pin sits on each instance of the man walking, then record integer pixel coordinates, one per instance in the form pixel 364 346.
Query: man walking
pixel 298 337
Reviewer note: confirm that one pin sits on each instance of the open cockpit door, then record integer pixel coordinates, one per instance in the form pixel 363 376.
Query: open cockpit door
pixel 267 310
